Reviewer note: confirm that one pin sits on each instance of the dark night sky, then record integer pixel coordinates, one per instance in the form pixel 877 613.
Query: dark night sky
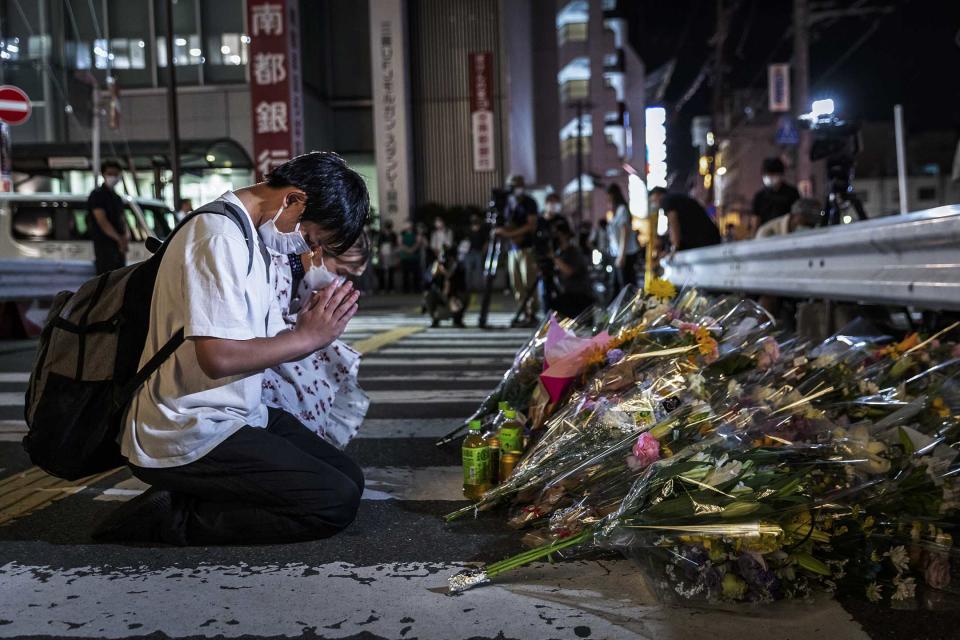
pixel 911 58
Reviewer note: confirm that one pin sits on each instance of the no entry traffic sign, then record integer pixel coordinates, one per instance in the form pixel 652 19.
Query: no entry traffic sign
pixel 14 105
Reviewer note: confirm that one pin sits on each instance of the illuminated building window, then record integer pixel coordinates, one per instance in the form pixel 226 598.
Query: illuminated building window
pixel 572 22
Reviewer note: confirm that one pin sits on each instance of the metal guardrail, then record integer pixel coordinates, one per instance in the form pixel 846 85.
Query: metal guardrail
pixel 28 279
pixel 909 260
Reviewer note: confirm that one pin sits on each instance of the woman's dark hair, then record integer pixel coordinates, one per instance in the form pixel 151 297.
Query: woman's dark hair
pixel 359 253
pixel 337 197
pixel 613 190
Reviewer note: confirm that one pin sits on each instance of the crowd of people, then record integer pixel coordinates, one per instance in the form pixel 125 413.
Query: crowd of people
pixel 553 264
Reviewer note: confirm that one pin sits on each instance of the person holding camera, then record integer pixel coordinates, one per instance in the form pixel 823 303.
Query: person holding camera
pixel 776 197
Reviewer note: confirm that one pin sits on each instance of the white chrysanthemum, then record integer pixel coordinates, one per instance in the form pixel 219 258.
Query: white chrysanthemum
pixel 898 558
pixel 906 588
pixel 874 592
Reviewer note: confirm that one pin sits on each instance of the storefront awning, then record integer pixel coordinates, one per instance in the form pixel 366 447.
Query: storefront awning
pixel 195 155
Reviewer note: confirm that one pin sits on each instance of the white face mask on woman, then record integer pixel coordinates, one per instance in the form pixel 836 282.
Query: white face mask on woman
pixel 319 277
pixel 283 242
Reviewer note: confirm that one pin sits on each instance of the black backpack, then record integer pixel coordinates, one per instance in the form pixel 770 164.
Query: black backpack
pixel 87 368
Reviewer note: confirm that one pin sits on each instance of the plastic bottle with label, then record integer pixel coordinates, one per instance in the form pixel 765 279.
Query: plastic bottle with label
pixel 476 463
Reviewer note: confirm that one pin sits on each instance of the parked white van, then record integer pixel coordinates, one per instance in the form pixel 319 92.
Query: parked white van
pixel 53 226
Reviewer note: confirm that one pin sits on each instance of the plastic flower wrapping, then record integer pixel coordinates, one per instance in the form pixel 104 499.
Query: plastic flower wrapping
pixel 738 464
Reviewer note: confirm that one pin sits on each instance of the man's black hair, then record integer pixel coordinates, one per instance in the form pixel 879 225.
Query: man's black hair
pixel 110 164
pixel 773 166
pixel 337 197
pixel 658 190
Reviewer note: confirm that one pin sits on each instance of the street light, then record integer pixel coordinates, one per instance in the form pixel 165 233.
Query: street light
pixel 822 107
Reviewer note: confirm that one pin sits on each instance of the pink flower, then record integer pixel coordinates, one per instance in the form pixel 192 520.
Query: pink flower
pixel 955 352
pixel 769 354
pixel 646 450
pixel 937 572
pixel 688 328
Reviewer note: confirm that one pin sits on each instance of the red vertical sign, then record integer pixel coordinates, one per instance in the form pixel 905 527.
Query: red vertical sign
pixel 481 110
pixel 276 98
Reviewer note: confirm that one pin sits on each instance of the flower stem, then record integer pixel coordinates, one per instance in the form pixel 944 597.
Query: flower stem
pixel 533 555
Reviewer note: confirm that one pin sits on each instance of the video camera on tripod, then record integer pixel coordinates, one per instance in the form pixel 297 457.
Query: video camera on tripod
pixel 491 259
pixel 837 141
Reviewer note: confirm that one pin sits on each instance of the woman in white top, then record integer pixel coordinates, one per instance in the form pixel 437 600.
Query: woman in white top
pixel 624 247
pixel 321 390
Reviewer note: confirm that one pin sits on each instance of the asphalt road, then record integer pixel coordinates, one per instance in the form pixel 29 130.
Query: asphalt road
pixel 385 577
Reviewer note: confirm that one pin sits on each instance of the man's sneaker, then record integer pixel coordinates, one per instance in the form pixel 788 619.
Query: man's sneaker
pixel 139 520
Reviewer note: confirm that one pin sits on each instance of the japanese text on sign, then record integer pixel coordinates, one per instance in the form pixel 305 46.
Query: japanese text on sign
pixel 275 87
pixel 481 110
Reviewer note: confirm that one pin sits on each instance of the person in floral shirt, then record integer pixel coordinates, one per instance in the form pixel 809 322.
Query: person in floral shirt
pixel 322 389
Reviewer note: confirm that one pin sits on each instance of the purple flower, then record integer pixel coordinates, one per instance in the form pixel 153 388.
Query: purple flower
pixel 614 356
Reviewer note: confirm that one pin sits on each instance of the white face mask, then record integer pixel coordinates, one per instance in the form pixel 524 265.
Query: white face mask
pixel 111 181
pixel 554 207
pixel 284 242
pixel 319 277
pixel 769 182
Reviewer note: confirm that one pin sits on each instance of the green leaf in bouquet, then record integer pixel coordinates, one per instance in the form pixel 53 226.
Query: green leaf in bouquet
pixel 900 368
pixel 808 562
pixel 905 441
pixel 740 508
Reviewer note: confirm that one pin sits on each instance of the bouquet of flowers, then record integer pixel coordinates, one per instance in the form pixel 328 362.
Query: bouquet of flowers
pixel 738 467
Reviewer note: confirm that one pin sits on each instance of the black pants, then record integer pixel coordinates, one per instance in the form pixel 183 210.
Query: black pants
pixel 107 257
pixel 278 484
pixel 410 271
pixel 627 274
pixel 386 278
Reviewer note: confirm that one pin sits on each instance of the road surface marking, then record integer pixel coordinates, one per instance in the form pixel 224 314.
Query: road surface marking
pixel 381 340
pixel 432 397
pixel 28 492
pixel 484 377
pixel 14 376
pixel 431 428
pixel 420 363
pixel 565 600
pixel 402 350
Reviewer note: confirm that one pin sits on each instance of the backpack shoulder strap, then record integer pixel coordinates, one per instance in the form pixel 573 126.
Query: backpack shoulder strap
pixel 219 207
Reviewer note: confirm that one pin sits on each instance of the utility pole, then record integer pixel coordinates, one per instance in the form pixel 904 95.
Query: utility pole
pixel 719 111
pixel 172 111
pixel 718 45
pixel 801 92
pixel 579 164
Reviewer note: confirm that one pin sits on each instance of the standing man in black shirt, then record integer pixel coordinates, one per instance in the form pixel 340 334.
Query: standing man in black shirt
pixel 521 218
pixel 776 197
pixel 689 225
pixel 108 229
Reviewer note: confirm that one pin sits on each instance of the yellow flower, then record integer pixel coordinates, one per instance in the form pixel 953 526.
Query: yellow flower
pixel 706 343
pixel 903 346
pixel 940 408
pixel 662 289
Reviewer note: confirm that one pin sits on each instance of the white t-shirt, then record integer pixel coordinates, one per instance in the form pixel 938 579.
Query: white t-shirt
pixel 615 229
pixel 180 414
